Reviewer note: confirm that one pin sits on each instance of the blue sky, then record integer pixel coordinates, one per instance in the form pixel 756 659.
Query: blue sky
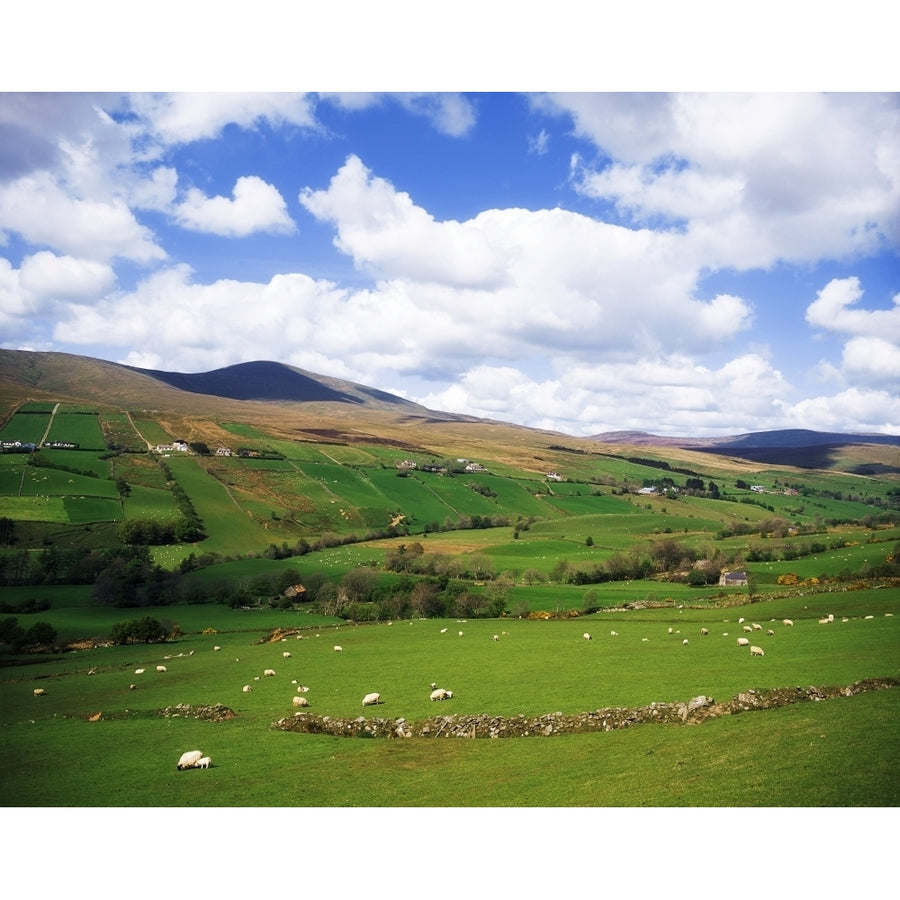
pixel 680 263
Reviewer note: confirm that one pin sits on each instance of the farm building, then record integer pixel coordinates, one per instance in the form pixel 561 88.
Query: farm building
pixel 733 579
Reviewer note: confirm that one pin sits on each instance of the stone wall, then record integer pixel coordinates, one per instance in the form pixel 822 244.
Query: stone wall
pixel 690 712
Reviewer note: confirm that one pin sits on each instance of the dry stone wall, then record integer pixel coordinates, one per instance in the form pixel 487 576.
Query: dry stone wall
pixel 690 712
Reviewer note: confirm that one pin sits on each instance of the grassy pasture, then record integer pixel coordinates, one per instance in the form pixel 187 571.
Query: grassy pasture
pixel 77 428
pixel 783 757
pixel 28 428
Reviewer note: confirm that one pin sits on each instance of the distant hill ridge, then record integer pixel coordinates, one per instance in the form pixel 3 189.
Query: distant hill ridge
pixel 758 440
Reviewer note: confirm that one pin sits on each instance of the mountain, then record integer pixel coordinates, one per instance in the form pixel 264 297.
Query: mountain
pixel 789 447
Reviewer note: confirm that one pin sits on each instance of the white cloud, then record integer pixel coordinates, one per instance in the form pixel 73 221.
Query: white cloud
pixel 256 206
pixel 449 113
pixel 65 277
pixel 754 178
pixel 179 118
pixel 855 409
pixel 540 143
pixel 40 210
pixel 830 310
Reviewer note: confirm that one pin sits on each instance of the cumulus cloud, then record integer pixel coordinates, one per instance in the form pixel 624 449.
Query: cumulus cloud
pixel 754 178
pixel 38 208
pixel 255 206
pixel 831 311
pixel 179 118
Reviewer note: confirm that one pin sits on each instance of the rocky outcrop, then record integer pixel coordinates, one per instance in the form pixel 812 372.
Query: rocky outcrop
pixel 689 712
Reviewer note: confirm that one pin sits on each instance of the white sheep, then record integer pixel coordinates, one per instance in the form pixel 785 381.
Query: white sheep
pixel 246 689
pixel 203 762
pixel 161 669
pixel 787 621
pixel 217 648
pixel 268 673
pixel 132 687
pixel 338 648
pixel 286 654
pixel 443 631
pixel 757 651
pixel 704 631
pixel 586 636
pixel 138 671
pixel 757 627
pixel 614 634
pixel 441 694
pixel 741 620
pixel 671 630
pixel 302 689
pixel 190 759
pixel 460 634
pixel 770 632
pixel 39 692
pixel 495 637
pixel 747 628
pixel 684 642
pixel 299 701
pixel 743 642
pixel 371 699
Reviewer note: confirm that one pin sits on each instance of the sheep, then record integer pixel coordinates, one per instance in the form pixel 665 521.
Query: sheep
pixel 40 692
pixel 132 687
pixel 246 689
pixel 670 630
pixel 747 628
pixel 286 655
pixel 586 636
pixel 217 648
pixel 190 759
pixel 757 627
pixel 338 648
pixel 704 631
pixel 299 701
pixel 824 621
pixel 203 762
pixel 460 634
pixel 743 642
pixel 371 699
pixel 302 689
pixel 787 621
pixel 441 694
pixel 268 673
pixel 741 620
pixel 614 634
pixel 495 637
pixel 138 671
pixel 684 642
pixel 757 651
pixel 161 669
pixel 770 632
pixel 443 631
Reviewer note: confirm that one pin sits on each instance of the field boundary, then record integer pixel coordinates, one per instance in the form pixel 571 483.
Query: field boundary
pixel 690 712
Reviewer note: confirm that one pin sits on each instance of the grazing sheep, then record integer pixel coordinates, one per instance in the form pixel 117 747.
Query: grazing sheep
pixel 684 642
pixel 246 689
pixel 132 687
pixel 743 642
pixel 770 632
pixel 495 637
pixel 824 621
pixel 704 631
pixel 217 648
pixel 443 631
pixel 747 628
pixel 299 701
pixel 371 699
pixel 302 689
pixel 757 627
pixel 286 654
pixel 741 620
pixel 269 673
pixel 787 621
pixel 460 634
pixel 39 692
pixel 138 671
pixel 586 636
pixel 338 648
pixel 441 694
pixel 757 651
pixel 190 759
pixel 161 669
pixel 670 630
pixel 203 762
pixel 614 634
